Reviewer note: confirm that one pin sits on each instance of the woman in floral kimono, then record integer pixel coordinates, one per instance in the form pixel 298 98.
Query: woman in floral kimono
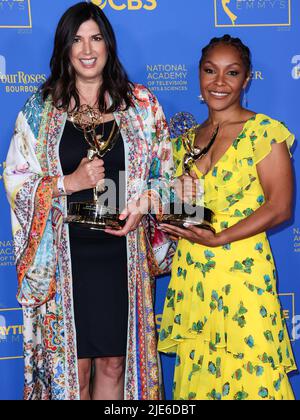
pixel 86 295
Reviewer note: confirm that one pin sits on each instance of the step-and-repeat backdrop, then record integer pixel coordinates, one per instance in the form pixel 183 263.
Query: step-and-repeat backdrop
pixel 159 43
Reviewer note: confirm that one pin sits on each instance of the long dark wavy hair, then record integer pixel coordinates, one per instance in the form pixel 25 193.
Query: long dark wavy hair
pixel 61 83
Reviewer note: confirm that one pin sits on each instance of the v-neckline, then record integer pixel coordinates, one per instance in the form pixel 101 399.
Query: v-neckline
pixel 226 151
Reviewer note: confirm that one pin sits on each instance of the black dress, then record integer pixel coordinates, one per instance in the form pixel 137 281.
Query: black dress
pixel 99 260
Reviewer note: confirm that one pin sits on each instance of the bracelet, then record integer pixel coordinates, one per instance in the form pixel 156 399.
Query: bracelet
pixel 60 186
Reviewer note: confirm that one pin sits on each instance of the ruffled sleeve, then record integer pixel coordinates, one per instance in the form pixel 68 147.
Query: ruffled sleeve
pixel 270 132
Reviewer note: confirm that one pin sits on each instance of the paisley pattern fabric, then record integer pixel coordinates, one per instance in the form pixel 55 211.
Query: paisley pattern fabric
pixel 43 251
pixel 222 315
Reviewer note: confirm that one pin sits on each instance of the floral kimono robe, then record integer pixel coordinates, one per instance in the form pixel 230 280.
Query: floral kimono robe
pixel 43 251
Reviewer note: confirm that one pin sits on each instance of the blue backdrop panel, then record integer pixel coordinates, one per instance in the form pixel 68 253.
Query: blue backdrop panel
pixel 160 43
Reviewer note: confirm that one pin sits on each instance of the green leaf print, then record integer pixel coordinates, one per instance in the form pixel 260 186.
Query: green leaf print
pixel 163 335
pixel 209 255
pixel 178 144
pixel 177 319
pixel 197 326
pixel 212 369
pixel 170 293
pixel 250 341
pixel 218 362
pixel 248 212
pixel 227 289
pixel 245 266
pixel 214 395
pixel 249 368
pixel 239 356
pixel 260 200
pixel 200 291
pixel 269 336
pixel 227 175
pixel 280 356
pixel 215 171
pixel 224 225
pixel 236 143
pixel 239 316
pixel 237 266
pixel 238 374
pixel 195 369
pixel 281 336
pixel 181 273
pixel 220 304
pixel 205 268
pixel 212 347
pixel 274 319
pixel 277 384
pixel 238 213
pixel 226 390
pixel 241 396
pixel 192 396
pixel 259 370
pixel 259 247
pixel 218 338
pixel 253 136
pixel 180 296
pixel 263 393
pixel 263 312
pixel 192 355
pixel 266 121
pixel 171 304
pixel 189 259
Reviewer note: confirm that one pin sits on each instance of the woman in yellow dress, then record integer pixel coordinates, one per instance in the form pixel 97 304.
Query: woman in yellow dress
pixel 222 314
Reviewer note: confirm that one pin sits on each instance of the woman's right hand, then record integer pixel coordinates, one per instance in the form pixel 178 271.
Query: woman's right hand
pixel 188 188
pixel 86 176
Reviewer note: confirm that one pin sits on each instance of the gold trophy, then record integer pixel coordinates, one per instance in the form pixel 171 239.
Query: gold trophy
pixel 184 125
pixel 94 214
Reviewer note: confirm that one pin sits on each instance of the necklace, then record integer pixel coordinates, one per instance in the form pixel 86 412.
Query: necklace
pixel 86 119
pixel 201 152
pixel 195 153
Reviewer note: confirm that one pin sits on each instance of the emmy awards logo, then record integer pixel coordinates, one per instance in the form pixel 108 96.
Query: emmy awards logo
pixel 229 13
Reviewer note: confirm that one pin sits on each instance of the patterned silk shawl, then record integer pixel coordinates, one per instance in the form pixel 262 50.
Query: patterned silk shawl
pixel 43 251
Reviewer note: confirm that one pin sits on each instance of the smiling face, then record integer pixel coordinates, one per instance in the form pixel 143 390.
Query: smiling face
pixel 223 76
pixel 88 53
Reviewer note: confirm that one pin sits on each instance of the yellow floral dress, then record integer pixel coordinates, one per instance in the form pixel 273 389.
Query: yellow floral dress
pixel 222 316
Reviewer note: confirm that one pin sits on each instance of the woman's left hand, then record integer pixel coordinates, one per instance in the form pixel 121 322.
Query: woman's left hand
pixel 194 235
pixel 134 213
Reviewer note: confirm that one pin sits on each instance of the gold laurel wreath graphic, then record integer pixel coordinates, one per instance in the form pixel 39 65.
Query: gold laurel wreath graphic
pixel 229 13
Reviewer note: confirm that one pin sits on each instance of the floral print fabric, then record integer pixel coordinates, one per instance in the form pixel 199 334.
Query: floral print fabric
pixel 43 251
pixel 222 315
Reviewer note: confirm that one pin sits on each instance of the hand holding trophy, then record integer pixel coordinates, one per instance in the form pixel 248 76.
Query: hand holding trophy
pixel 191 211
pixel 94 214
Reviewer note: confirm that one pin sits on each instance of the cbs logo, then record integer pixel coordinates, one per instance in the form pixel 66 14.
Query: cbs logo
pixel 127 4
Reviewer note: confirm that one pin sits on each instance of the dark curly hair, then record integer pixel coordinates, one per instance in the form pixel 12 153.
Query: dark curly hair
pixel 234 42
pixel 61 83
